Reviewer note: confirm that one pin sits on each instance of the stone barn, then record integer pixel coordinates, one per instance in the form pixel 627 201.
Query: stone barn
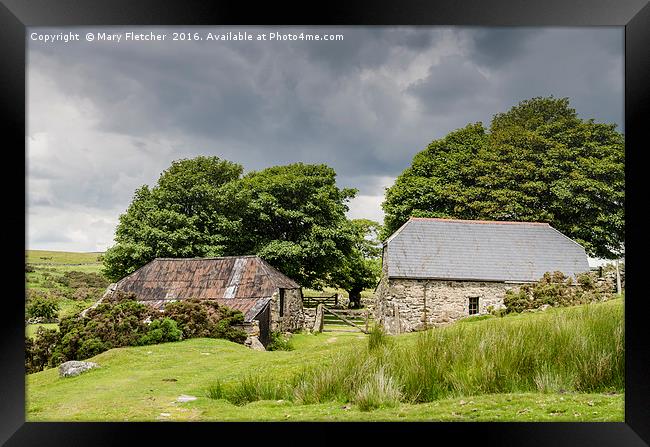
pixel 436 271
pixel 268 299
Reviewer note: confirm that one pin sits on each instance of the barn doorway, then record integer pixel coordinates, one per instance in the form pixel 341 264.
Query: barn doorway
pixel 264 320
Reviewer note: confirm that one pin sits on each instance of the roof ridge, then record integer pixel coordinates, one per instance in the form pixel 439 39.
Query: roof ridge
pixel 500 222
pixel 206 259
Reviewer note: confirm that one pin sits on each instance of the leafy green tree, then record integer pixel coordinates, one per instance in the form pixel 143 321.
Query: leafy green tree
pixel 537 162
pixel 293 217
pixel 362 268
pixel 41 307
pixel 185 215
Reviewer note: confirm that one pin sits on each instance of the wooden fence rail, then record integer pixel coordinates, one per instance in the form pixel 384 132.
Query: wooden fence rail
pixel 313 301
pixel 347 321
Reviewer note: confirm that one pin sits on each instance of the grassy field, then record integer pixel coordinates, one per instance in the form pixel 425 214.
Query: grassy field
pixel 143 384
pixel 61 257
pixel 48 266
pixel 32 328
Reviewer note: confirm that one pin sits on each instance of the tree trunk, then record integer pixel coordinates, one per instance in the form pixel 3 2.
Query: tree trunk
pixel 355 298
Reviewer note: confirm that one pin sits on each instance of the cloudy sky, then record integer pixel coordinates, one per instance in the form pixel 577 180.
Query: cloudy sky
pixel 105 117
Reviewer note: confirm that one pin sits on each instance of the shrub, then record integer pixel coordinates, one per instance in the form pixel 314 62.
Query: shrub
pixel 42 308
pixel 586 280
pixel 497 312
pixel 110 325
pixel 90 347
pixel 87 294
pixel 32 294
pixel 39 350
pixel 29 268
pixel 555 289
pixel 161 331
pixel 202 318
pixel 121 320
pixel 279 342
pixel 75 280
pixel 192 318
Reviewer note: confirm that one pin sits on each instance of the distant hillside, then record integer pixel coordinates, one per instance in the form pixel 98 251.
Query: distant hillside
pixel 62 257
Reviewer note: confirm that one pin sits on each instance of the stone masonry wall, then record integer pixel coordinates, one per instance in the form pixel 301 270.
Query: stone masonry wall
pixel 310 317
pixel 405 305
pixel 294 316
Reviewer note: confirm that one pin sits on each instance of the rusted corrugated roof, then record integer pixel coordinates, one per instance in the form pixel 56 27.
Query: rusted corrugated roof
pixel 245 283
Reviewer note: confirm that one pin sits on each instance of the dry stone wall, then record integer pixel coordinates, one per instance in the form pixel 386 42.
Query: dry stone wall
pixel 293 319
pixel 310 317
pixel 405 305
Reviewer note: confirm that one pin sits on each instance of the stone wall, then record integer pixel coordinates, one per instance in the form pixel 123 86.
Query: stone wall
pixel 293 319
pixel 252 328
pixel 310 317
pixel 405 305
pixel 608 278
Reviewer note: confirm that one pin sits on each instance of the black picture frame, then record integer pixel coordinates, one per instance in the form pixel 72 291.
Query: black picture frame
pixel 15 15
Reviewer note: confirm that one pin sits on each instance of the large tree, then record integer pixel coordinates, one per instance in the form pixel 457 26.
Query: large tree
pixel 537 162
pixel 292 216
pixel 362 268
pixel 186 214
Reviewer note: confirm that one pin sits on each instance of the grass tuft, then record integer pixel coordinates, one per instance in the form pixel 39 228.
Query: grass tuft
pixel 578 349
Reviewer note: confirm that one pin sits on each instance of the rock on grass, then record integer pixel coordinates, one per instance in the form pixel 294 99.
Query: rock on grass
pixel 74 368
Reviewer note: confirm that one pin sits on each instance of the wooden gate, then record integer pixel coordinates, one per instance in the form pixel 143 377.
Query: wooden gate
pixel 339 319
pixel 325 300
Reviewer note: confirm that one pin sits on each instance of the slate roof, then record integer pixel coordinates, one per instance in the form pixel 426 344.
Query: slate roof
pixel 451 249
pixel 245 283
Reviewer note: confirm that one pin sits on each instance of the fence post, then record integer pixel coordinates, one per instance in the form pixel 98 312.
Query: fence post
pixel 318 323
pixel 336 299
pixel 367 316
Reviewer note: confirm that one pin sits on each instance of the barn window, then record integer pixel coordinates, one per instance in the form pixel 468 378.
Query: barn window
pixel 281 302
pixel 473 305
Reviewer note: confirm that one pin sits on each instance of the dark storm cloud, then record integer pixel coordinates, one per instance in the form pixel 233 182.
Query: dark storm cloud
pixel 453 85
pixel 496 47
pixel 577 64
pixel 505 66
pixel 368 47
pixel 105 118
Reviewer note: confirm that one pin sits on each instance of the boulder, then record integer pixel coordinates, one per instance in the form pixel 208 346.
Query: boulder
pixel 254 343
pixel 74 368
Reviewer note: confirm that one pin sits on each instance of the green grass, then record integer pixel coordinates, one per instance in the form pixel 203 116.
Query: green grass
pixel 484 369
pixel 140 383
pixel 136 382
pixel 578 349
pixel 31 329
pixel 61 257
pixel 49 265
